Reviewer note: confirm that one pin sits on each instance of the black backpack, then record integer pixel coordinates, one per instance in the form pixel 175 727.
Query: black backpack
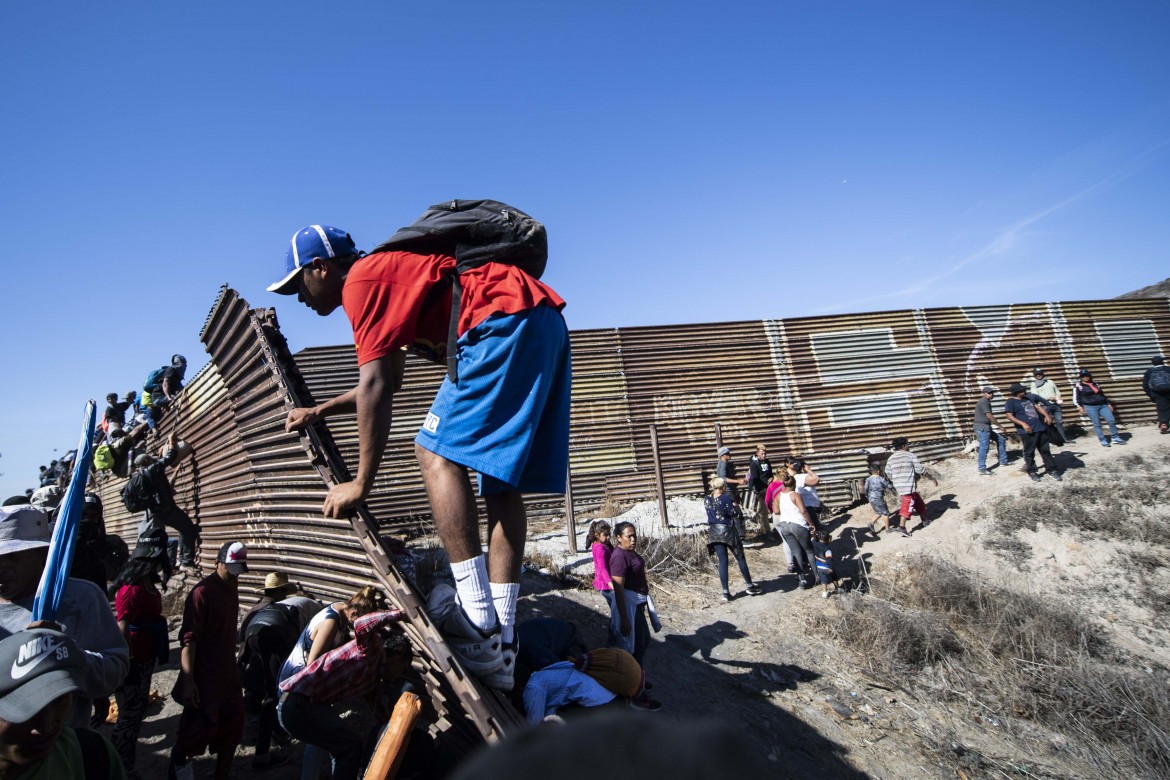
pixel 138 493
pixel 1160 379
pixel 474 232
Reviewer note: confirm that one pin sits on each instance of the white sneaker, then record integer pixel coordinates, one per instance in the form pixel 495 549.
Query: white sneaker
pixel 479 651
pixel 503 679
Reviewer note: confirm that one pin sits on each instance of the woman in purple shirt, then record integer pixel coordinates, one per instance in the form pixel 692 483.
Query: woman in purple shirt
pixel 630 591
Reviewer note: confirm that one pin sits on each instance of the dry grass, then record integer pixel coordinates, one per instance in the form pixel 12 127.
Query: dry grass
pixel 678 557
pixel 1013 655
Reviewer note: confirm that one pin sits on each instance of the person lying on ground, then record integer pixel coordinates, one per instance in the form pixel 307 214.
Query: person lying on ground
pixel 506 417
pixel 83 614
pixel 595 679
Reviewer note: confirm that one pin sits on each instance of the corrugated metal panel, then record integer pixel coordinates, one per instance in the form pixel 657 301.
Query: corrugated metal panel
pixel 250 480
pixel 829 388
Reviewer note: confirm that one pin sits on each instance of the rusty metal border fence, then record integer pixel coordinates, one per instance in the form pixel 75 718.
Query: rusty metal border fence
pixel 250 480
pixel 833 389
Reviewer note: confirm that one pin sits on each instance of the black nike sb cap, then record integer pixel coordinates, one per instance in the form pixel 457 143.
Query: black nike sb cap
pixel 36 667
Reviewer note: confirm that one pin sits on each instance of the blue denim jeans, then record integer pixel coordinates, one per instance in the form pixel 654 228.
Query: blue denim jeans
pixel 613 633
pixel 985 445
pixel 319 725
pixel 1095 414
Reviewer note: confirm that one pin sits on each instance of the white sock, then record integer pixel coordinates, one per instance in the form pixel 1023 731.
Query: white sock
pixel 471 583
pixel 504 596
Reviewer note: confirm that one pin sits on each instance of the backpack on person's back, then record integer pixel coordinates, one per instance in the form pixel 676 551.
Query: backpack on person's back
pixel 474 232
pixel 138 493
pixel 1160 379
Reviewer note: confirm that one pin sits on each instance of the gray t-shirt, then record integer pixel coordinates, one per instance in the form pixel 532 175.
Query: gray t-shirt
pixel 982 409
pixel 84 615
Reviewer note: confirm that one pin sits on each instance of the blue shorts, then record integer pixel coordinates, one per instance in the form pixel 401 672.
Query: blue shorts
pixel 508 415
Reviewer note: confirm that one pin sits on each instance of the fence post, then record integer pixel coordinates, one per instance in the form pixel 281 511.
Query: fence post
pixel 718 436
pixel 570 520
pixel 658 478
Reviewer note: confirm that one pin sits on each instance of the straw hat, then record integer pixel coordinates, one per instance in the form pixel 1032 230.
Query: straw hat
pixel 274 580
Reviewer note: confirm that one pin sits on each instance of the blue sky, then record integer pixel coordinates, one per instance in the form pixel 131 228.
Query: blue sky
pixel 693 162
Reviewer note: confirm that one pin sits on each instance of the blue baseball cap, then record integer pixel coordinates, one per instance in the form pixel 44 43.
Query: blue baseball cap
pixel 308 244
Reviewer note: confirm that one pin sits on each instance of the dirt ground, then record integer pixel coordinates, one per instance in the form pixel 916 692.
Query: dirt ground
pixel 807 704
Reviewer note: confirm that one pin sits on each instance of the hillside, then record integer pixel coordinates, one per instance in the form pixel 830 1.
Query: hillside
pixel 1021 634
pixel 1159 290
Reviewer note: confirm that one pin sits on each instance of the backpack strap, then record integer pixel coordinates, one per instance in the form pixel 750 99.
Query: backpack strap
pixel 453 329
pixel 95 754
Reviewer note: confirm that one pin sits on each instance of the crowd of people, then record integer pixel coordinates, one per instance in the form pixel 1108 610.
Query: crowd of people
pixel 460 288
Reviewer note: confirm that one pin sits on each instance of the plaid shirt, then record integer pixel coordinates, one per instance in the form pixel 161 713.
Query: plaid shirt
pixel 348 670
pixel 904 468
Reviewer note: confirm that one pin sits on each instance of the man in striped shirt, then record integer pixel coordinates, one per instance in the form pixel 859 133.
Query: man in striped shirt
pixel 903 470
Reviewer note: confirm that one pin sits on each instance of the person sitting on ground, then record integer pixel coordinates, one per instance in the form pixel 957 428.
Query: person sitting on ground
pixel 162 511
pixel 1156 385
pixel 593 680
pixel 824 561
pixel 377 654
pixel 208 685
pixel 507 417
pixel 138 608
pixel 41 670
pixel 601 549
pixel 904 468
pixel 875 492
pixel 722 536
pixel 1026 410
pixel 267 636
pixel 83 613
pixel 43 477
pixel 796 527
pixel 1094 404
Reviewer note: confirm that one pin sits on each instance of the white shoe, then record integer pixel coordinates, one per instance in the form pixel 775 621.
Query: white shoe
pixel 503 678
pixel 479 651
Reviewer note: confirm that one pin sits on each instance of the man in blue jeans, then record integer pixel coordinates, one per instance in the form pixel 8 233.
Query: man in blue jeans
pixel 987 426
pixel 1093 403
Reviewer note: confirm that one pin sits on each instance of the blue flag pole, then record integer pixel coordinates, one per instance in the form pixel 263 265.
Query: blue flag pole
pixel 60 558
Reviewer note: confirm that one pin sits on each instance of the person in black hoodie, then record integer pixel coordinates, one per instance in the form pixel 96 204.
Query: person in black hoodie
pixel 1156 384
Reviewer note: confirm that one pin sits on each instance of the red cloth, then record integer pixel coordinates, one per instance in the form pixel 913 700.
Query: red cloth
pixel 348 670
pixel 773 488
pixel 384 294
pixel 137 604
pixel 209 619
pixel 918 503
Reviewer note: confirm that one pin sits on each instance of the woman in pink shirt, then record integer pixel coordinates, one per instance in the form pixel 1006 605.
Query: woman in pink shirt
pixel 599 544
